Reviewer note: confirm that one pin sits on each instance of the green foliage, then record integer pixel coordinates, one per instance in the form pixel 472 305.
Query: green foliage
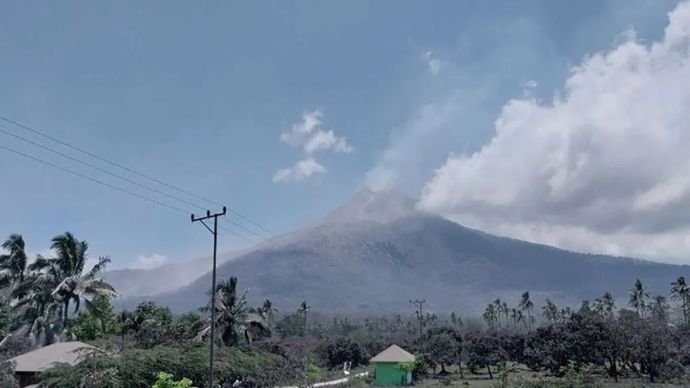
pixel 137 368
pixel 7 379
pixel 86 327
pixel 165 380
pixel 335 353
pixel 312 374
pixel 150 311
pixel 6 318
pixel 292 325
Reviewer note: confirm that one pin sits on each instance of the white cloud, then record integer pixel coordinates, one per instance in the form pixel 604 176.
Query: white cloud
pixel 300 132
pixel 326 140
pixel 301 170
pixel 150 262
pixel 310 137
pixel 604 167
pixel 434 64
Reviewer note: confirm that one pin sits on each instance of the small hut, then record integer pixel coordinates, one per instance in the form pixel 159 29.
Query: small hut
pixel 29 365
pixel 391 367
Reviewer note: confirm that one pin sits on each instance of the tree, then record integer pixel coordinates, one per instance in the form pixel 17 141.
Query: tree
pixel 483 352
pixel 233 320
pixel 550 311
pixel 67 269
pixel 638 297
pixel 97 322
pixel 490 315
pixel 268 311
pixel 527 306
pixel 292 325
pixel 304 310
pixel 13 264
pixel 336 353
pixel 605 306
pixel 443 347
pixel 681 291
pixel 660 308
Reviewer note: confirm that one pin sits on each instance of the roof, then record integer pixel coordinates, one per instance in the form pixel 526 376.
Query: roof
pixel 393 353
pixel 46 357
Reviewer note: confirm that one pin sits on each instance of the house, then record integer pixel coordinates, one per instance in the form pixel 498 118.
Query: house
pixel 392 366
pixel 28 365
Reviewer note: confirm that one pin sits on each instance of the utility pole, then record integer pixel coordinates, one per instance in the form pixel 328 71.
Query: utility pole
pixel 213 231
pixel 420 305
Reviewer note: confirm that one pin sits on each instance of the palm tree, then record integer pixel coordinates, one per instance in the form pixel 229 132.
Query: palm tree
pixel 13 264
pixel 304 310
pixel 490 315
pixel 514 317
pixel 499 311
pixel 638 295
pixel 233 319
pixel 550 311
pixel 659 308
pixel 68 268
pixel 268 310
pixel 681 291
pixel 605 305
pixel 527 306
pixel 504 310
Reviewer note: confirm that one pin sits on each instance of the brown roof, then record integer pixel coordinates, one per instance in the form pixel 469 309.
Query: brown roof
pixel 47 356
pixel 393 353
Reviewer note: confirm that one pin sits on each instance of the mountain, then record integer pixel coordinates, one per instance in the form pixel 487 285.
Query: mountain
pixel 133 282
pixel 376 252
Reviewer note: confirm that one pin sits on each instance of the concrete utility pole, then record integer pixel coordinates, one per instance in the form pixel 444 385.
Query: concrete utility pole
pixel 213 231
pixel 420 314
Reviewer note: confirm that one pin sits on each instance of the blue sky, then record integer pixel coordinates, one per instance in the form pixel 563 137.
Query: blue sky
pixel 198 94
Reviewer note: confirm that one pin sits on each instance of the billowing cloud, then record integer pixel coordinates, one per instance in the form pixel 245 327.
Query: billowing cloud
pixel 301 170
pixel 309 135
pixel 150 262
pixel 602 167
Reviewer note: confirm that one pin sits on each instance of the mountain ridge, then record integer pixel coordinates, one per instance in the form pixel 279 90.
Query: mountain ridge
pixel 373 258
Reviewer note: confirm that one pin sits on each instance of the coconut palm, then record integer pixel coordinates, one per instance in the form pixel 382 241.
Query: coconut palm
pixel 659 308
pixel 638 297
pixel 303 309
pixel 605 306
pixel 13 263
pixel 73 285
pixel 681 291
pixel 233 319
pixel 490 315
pixel 550 311
pixel 267 310
pixel 527 306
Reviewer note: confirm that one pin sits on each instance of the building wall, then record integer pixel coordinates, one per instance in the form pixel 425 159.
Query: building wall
pixel 389 373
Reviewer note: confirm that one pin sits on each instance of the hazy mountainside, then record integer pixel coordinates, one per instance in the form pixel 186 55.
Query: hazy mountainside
pixel 375 252
pixel 141 282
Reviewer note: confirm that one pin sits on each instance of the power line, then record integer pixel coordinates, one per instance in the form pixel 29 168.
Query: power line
pixel 92 179
pixel 142 175
pixel 154 190
pixel 111 186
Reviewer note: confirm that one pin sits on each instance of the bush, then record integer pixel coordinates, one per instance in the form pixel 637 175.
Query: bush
pixel 335 353
pixel 165 380
pixel 138 368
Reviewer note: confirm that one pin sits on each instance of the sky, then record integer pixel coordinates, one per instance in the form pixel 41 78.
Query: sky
pixel 557 122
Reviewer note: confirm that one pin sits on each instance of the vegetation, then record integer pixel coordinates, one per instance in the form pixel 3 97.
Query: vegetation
pixel 524 345
pixel 41 292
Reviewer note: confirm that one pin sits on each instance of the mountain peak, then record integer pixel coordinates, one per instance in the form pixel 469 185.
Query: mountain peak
pixel 381 206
